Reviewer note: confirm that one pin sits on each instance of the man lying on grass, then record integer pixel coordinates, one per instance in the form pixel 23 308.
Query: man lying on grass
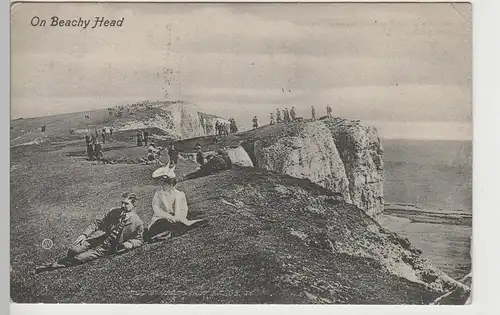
pixel 118 231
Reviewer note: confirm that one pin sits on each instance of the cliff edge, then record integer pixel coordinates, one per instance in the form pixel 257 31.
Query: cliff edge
pixel 340 155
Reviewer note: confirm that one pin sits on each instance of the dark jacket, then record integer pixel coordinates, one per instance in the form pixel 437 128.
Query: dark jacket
pixel 131 233
pixel 173 153
pixel 199 157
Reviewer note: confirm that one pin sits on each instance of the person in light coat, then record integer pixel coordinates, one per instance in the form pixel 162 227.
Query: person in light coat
pixel 170 208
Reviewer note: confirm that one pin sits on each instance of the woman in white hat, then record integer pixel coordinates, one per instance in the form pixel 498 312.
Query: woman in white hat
pixel 169 208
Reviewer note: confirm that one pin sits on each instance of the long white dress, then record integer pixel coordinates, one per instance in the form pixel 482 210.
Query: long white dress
pixel 172 204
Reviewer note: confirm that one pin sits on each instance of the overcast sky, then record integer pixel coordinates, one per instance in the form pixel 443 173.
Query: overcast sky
pixel 407 68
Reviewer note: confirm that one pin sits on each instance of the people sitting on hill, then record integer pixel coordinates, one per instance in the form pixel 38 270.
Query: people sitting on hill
pixel 119 230
pixel 216 163
pixel 170 208
pixel 153 156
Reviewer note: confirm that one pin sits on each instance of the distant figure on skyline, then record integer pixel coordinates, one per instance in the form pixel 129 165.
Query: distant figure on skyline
pixel 287 116
pixel 233 126
pixel 292 113
pixel 255 124
pixel 328 111
pixel 278 116
pixel 313 113
pixel 272 119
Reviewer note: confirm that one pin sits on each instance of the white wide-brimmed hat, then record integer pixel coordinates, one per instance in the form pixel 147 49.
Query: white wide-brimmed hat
pixel 165 171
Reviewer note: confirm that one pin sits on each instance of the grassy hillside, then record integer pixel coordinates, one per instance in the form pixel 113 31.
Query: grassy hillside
pixel 268 240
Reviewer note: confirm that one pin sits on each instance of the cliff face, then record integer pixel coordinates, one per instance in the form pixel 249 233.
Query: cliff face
pixel 179 120
pixel 185 120
pixel 305 151
pixel 362 155
pixel 341 155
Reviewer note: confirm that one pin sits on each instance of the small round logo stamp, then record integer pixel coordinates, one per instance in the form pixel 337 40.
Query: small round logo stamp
pixel 47 243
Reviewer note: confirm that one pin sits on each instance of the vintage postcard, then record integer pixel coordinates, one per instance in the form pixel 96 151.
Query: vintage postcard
pixel 241 153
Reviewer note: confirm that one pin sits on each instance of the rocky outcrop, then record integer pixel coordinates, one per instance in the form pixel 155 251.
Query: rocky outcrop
pixel 306 151
pixel 185 120
pixel 239 157
pixel 341 155
pixel 179 120
pixel 361 152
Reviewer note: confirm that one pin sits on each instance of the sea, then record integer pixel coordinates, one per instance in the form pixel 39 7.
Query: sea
pixel 431 176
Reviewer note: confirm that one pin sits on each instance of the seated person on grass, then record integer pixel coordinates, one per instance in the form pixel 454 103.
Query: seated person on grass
pixel 119 230
pixel 170 208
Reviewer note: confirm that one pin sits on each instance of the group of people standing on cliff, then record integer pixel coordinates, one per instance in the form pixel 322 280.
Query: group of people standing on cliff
pixel 221 128
pixel 121 229
pixel 290 116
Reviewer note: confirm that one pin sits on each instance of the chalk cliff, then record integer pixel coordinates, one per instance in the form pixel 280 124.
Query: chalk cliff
pixel 179 120
pixel 361 152
pixel 304 151
pixel 341 155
